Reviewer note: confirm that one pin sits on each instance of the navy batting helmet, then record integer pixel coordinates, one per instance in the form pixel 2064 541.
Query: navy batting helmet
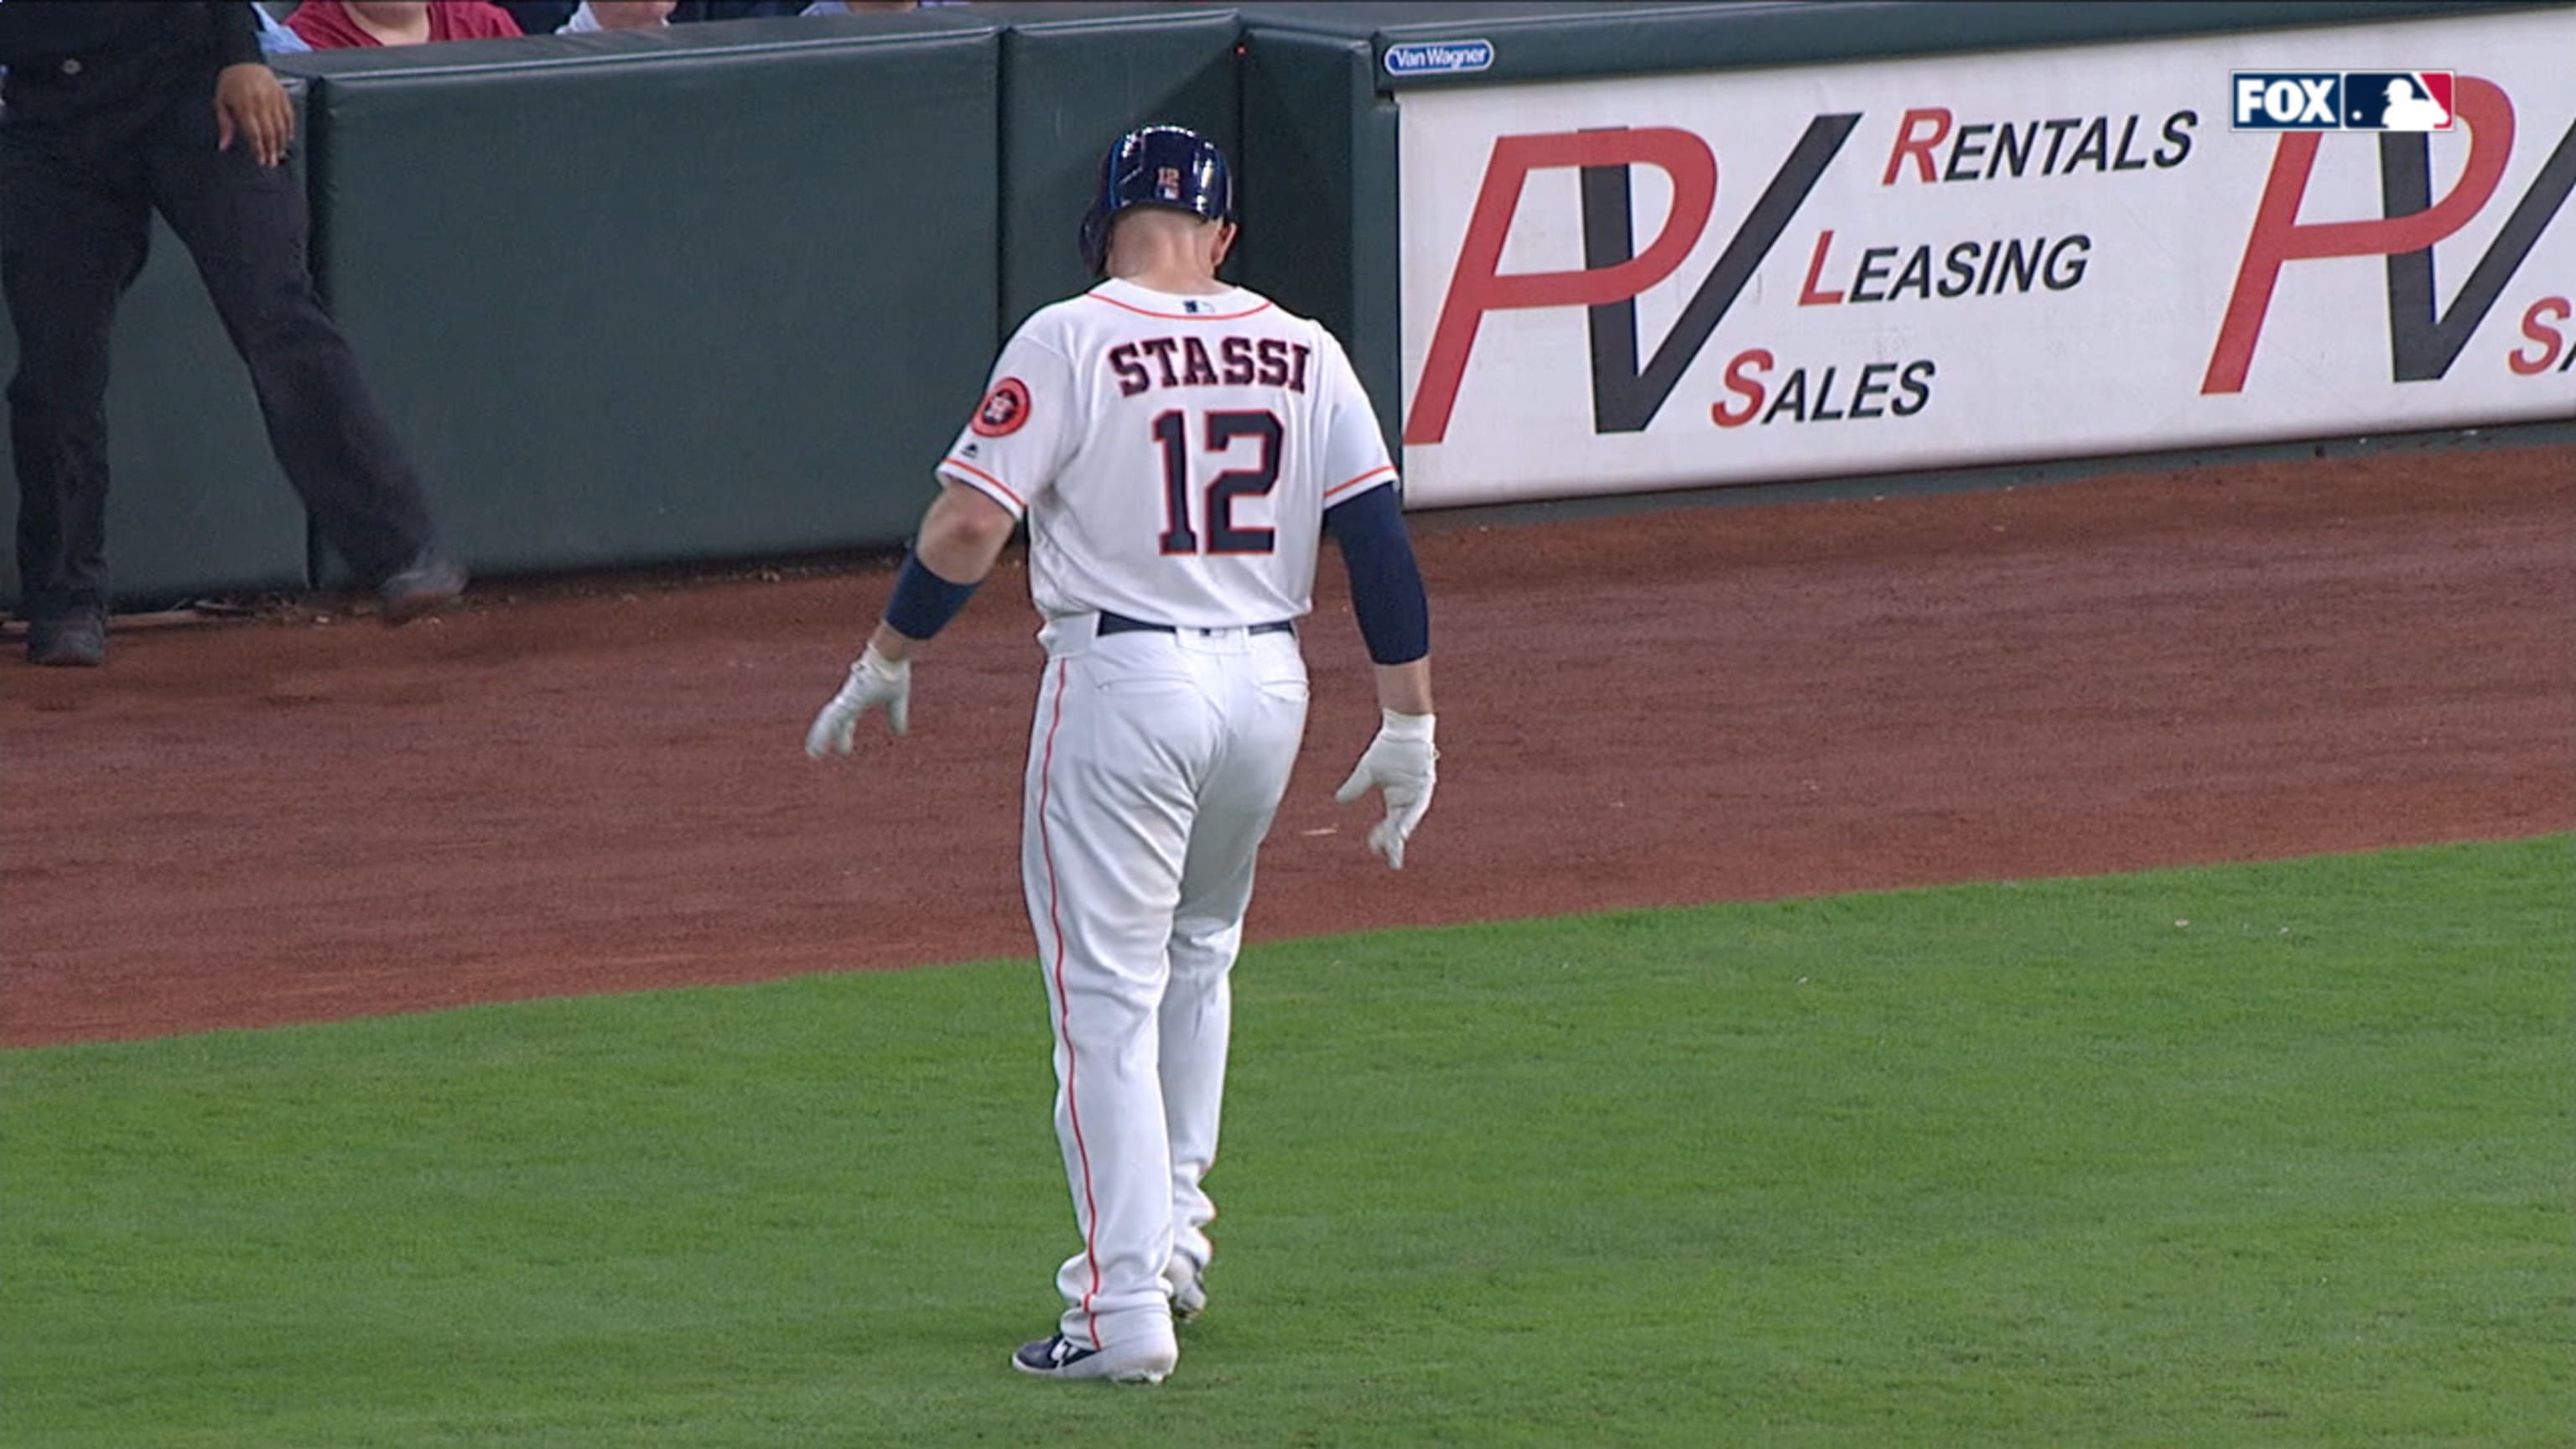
pixel 1163 166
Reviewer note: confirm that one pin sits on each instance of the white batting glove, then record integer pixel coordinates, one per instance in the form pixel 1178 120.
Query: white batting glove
pixel 1399 761
pixel 874 680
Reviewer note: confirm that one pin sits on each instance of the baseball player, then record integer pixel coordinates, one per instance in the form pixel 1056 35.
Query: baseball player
pixel 1178 447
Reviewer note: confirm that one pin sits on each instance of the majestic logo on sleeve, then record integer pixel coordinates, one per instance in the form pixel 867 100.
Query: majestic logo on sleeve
pixel 1005 408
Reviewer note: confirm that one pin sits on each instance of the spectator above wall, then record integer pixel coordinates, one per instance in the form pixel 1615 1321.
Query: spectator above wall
pixel 592 16
pixel 400 22
pixel 550 17
pixel 348 24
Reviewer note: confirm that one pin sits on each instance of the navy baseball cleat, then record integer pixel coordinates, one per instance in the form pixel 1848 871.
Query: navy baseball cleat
pixel 1143 1362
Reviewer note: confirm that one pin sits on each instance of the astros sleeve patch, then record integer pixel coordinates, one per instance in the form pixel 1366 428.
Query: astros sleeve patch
pixel 1013 446
pixel 1005 410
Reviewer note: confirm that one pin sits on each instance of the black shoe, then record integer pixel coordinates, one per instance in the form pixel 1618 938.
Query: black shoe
pixel 428 583
pixel 76 641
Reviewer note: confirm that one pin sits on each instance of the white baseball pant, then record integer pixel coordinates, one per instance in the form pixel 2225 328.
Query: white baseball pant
pixel 1155 765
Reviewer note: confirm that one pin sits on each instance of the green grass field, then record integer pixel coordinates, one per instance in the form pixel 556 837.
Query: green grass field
pixel 2002 1165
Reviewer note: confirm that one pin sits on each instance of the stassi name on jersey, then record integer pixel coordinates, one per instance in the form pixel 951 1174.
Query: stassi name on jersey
pixel 1190 362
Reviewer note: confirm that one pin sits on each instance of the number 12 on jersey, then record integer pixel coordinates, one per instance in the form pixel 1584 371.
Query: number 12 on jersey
pixel 1222 432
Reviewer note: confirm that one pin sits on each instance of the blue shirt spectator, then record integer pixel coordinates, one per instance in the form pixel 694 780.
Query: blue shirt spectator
pixel 590 19
pixel 274 37
pixel 550 17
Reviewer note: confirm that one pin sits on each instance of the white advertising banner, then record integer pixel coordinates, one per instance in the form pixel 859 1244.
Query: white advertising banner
pixel 1677 281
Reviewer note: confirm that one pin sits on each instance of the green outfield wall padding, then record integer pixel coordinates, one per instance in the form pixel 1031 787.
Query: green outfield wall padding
pixel 1319 196
pixel 1075 76
pixel 197 504
pixel 716 291
pixel 723 291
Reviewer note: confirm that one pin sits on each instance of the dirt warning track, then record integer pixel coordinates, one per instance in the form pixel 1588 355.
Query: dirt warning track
pixel 555 793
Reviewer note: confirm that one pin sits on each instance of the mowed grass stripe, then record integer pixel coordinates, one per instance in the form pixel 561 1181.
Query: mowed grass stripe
pixel 2001 1165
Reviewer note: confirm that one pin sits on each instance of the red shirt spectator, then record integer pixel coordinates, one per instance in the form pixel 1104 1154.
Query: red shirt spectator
pixel 342 24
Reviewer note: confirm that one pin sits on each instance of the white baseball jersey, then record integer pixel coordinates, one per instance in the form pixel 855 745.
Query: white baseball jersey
pixel 1174 455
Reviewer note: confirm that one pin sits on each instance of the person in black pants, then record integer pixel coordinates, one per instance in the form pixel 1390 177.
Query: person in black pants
pixel 114 110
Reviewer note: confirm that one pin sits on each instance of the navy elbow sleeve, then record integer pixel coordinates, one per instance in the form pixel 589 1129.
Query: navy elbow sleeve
pixel 1386 583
